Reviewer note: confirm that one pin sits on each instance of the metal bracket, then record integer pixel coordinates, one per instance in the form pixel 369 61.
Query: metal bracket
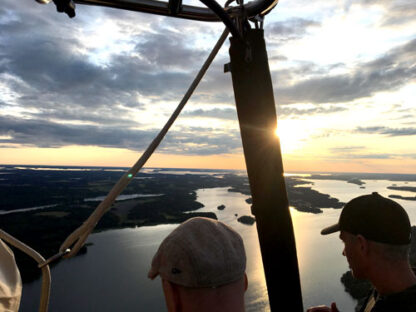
pixel 66 6
pixel 258 19
pixel 175 6
pixel 54 258
pixel 227 68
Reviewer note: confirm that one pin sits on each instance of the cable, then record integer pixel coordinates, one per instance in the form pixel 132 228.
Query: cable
pixel 77 238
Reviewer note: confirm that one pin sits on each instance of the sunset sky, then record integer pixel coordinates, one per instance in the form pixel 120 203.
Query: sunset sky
pixel 95 89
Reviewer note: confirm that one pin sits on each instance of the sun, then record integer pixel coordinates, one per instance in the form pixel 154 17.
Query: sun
pixel 291 134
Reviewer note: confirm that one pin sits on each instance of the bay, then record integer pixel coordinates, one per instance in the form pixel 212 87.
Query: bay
pixel 112 275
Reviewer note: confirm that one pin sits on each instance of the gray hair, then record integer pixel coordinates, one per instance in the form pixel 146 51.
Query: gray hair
pixel 391 253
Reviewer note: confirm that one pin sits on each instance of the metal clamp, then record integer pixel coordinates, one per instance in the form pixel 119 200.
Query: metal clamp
pixel 54 257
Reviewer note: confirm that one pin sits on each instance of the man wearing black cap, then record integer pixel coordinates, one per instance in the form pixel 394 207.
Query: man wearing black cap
pixel 376 234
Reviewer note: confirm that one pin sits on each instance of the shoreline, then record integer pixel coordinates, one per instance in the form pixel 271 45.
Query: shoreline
pixel 70 188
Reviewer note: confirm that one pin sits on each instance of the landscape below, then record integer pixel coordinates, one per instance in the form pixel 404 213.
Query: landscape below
pixel 68 195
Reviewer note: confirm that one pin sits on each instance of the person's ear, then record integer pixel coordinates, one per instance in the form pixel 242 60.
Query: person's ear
pixel 245 282
pixel 172 296
pixel 363 244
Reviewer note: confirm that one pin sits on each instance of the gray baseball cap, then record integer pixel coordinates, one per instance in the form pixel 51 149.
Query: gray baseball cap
pixel 199 253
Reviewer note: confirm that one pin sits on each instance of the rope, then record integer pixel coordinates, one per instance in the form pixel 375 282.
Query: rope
pixel 46 274
pixel 77 238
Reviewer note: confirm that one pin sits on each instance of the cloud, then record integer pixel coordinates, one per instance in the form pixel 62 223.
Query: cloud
pixel 371 156
pixel 387 131
pixel 276 57
pixel 400 14
pixel 287 111
pixel 396 12
pixel 67 95
pixel 388 72
pixel 52 68
pixel 346 149
pixel 169 49
pixel 227 113
pixel 63 71
pixel 203 141
pixel 378 156
pixel 39 133
pixel 290 29
pixel 7 146
pixel 356 152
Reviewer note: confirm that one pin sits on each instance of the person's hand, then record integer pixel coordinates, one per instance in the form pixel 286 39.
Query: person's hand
pixel 323 308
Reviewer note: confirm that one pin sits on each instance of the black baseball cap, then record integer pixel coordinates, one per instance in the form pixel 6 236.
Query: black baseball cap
pixel 376 218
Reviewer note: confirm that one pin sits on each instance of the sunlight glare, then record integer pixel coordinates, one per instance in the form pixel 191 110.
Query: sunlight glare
pixel 291 134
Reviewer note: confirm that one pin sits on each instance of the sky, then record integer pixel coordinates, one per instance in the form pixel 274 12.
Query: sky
pixel 96 89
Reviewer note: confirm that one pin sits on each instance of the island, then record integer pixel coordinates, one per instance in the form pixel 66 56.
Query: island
pixel 53 201
pixel 362 176
pixel 302 198
pixel 402 188
pixel 355 181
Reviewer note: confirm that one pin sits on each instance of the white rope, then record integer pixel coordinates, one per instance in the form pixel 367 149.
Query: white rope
pixel 77 238
pixel 46 274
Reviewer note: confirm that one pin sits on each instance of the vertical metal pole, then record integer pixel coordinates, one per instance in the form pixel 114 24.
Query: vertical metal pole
pixel 256 111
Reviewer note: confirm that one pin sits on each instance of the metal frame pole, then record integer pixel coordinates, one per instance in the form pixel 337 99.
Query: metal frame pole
pixel 173 8
pixel 256 111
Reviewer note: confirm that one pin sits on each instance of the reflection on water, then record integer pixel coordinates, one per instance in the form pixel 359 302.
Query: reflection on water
pixel 3 212
pixel 320 259
pixel 112 275
pixel 300 175
pixel 321 263
pixel 346 191
pixel 122 197
pixel 256 297
pixel 65 169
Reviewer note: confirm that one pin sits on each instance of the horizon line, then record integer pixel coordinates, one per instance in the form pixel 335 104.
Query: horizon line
pixel 194 168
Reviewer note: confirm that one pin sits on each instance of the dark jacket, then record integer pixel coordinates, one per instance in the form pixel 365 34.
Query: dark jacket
pixel 404 301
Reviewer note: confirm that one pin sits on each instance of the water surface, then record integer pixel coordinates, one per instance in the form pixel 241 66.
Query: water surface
pixel 112 275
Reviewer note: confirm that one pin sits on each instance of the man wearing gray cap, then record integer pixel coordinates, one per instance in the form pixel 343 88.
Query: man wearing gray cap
pixel 202 266
pixel 376 233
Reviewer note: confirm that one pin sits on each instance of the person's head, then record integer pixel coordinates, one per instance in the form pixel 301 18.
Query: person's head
pixel 202 266
pixel 376 232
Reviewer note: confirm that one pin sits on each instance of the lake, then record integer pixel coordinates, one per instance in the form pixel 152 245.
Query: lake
pixel 112 275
